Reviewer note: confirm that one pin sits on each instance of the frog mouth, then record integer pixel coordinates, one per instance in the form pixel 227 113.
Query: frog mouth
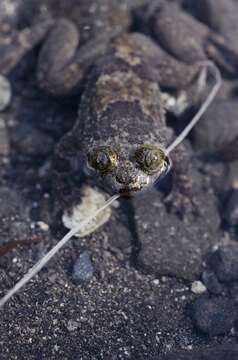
pixel 129 190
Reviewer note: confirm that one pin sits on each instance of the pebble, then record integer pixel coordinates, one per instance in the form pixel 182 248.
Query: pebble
pixel 5 92
pixel 83 269
pixel 214 316
pixel 198 287
pixel 43 226
pixel 72 325
pixel 224 262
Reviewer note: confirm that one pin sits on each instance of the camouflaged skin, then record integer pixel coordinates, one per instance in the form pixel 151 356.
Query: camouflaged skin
pixel 121 107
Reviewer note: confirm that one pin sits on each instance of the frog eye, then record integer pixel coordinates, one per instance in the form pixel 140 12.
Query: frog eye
pixel 150 158
pixel 103 158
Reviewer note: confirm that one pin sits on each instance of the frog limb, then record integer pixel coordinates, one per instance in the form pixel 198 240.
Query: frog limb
pixel 182 198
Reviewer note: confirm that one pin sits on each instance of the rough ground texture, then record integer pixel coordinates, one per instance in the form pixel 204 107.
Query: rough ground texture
pixel 125 291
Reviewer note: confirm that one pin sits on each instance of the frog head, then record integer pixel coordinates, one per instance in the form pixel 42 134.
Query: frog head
pixel 129 170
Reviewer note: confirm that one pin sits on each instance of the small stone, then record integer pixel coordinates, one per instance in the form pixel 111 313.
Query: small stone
pixel 224 262
pixel 198 287
pixel 72 325
pixel 5 92
pixel 214 316
pixel 83 269
pixel 43 226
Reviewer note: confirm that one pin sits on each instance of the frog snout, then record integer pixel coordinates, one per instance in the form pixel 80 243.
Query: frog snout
pixel 126 174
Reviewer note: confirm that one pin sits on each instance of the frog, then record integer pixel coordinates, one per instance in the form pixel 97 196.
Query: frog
pixel 119 139
pixel 71 45
pixel 74 37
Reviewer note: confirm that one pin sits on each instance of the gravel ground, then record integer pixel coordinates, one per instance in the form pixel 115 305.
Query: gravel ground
pixel 161 287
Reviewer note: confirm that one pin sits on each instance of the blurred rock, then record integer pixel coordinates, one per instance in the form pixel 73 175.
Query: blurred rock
pixel 220 15
pixel 214 316
pixel 216 135
pixel 212 283
pixel 5 92
pixel 31 141
pixel 83 269
pixel 224 262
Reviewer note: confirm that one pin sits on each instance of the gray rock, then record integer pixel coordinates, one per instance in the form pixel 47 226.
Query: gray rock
pixel 212 283
pixel 220 15
pixel 32 142
pixel 216 135
pixel 169 245
pixel 214 316
pixel 224 262
pixel 224 352
pixel 83 269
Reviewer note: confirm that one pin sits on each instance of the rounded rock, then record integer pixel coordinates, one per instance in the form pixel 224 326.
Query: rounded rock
pixel 214 316
pixel 224 262
pixel 198 287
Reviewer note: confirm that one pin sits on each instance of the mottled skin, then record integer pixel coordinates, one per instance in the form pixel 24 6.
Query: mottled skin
pixel 121 108
pixel 122 104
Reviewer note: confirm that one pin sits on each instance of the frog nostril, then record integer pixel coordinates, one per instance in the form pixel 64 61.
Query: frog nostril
pixel 126 175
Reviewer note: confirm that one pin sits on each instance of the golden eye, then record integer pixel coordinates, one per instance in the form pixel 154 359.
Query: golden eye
pixel 103 159
pixel 150 158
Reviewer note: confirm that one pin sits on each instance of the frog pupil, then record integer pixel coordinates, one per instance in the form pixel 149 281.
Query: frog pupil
pixel 151 159
pixel 102 159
